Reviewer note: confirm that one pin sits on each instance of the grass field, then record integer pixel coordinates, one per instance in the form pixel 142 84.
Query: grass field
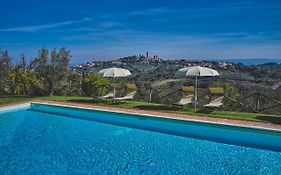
pixel 8 100
pixel 154 107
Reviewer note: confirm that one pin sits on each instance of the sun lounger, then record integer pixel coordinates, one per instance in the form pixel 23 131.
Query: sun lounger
pixel 132 92
pixel 216 103
pixel 188 96
pixel 129 96
pixel 217 97
pixel 109 95
pixel 185 100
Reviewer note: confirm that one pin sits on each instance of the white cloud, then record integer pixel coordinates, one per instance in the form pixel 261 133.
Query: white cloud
pixel 151 11
pixel 44 26
pixel 109 24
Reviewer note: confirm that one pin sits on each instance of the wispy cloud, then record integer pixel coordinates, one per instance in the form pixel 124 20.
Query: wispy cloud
pixel 109 24
pixel 35 28
pixel 151 11
pixel 220 7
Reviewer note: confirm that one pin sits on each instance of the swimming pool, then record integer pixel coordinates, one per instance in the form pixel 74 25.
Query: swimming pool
pixel 47 139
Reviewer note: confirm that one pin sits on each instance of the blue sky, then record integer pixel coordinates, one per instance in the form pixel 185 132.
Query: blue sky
pixel 107 29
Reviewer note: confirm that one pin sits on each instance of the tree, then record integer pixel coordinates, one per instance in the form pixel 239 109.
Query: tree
pixel 59 70
pixel 22 80
pixel 41 69
pixel 5 70
pixel 73 84
pixel 52 73
pixel 94 85
pixel 255 72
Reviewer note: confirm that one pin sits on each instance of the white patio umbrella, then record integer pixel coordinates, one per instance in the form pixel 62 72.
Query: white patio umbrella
pixel 113 73
pixel 197 71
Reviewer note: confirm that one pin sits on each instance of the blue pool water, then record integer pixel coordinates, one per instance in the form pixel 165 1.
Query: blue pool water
pixel 39 141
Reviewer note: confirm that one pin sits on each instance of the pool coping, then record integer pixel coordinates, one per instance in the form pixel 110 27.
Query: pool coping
pixel 14 106
pixel 183 117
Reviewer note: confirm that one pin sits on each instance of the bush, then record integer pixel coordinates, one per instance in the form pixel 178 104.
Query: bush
pixel 94 85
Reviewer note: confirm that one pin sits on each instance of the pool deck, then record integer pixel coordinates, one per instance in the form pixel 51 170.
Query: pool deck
pixel 243 123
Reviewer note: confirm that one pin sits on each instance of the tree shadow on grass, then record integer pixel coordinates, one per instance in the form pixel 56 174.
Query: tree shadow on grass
pixel 205 110
pixel 271 119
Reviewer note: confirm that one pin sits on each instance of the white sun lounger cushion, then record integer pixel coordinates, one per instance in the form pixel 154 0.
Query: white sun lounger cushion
pixel 215 103
pixel 109 95
pixel 129 96
pixel 185 100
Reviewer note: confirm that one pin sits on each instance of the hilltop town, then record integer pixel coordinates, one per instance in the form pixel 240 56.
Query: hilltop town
pixel 149 61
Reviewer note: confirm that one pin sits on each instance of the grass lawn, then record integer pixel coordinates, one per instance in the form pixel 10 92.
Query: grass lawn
pixel 155 107
pixel 7 100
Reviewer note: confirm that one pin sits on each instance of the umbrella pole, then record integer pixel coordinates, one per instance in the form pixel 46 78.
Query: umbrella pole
pixel 195 91
pixel 113 87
